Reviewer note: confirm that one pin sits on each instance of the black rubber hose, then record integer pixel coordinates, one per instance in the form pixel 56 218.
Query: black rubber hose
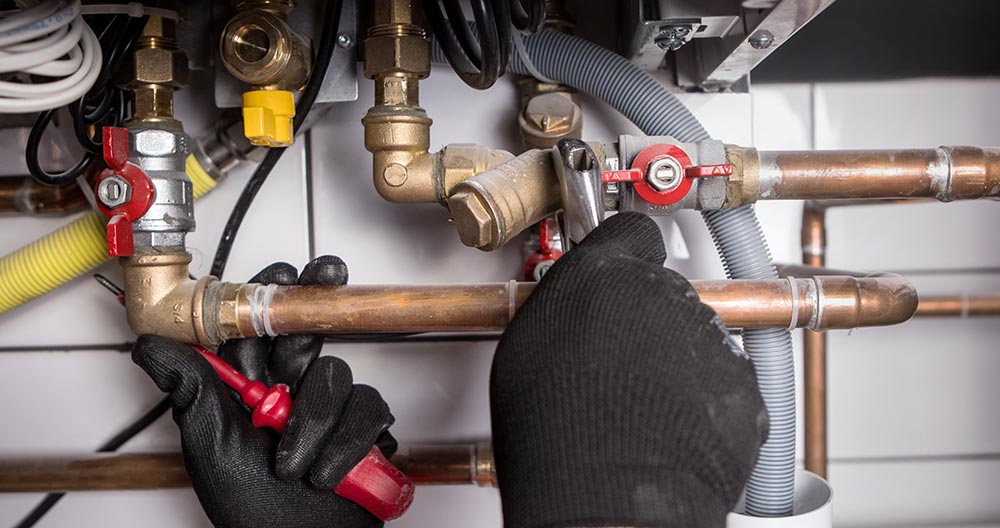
pixel 327 45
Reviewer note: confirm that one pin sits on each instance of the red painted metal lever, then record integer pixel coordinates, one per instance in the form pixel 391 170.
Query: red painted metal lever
pixel 374 483
pixel 120 236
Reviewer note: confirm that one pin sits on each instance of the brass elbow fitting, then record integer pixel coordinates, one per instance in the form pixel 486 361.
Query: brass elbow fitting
pixel 161 299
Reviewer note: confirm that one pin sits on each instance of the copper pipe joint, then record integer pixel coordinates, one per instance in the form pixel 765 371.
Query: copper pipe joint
pixel 945 174
pixel 823 303
pixel 425 464
pixel 958 306
pixel 819 303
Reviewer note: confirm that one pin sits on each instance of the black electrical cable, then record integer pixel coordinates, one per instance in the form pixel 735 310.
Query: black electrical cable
pixel 331 23
pixel 327 45
pixel 104 104
pixel 480 58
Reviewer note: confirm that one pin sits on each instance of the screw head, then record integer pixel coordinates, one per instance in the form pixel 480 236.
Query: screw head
pixel 345 41
pixel 671 38
pixel 761 40
pixel 114 191
pixel 664 174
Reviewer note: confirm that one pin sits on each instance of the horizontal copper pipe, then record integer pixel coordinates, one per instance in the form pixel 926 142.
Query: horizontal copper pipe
pixel 820 303
pixel 20 194
pixel 427 465
pixel 945 174
pixel 958 306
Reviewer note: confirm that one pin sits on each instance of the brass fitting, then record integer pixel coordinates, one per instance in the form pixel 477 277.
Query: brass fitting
pixel 549 117
pixel 259 48
pixel 397 129
pixel 492 207
pixel 743 186
pixel 155 70
pixel 161 299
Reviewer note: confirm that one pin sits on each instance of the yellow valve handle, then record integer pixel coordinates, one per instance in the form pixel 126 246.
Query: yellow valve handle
pixel 267 117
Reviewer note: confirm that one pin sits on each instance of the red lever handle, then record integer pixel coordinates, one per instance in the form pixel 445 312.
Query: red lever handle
pixel 120 239
pixel 374 483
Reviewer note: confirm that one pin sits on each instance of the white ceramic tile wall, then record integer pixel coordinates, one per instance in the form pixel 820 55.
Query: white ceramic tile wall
pixel 918 391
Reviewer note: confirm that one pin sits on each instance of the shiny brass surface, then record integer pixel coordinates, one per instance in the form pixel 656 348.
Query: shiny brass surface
pixel 959 306
pixel 397 129
pixel 160 297
pixel 945 174
pixel 446 464
pixel 155 70
pixel 21 194
pixel 549 116
pixel 814 361
pixel 259 48
pixel 743 186
pixel 492 207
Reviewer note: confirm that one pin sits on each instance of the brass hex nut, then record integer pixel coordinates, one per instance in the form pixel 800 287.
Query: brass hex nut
pixel 156 66
pixel 476 227
pixel 406 54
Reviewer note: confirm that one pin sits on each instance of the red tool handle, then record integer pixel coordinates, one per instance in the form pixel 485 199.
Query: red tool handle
pixel 374 483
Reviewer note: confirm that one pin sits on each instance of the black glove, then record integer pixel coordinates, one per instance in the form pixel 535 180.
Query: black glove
pixel 618 398
pixel 246 477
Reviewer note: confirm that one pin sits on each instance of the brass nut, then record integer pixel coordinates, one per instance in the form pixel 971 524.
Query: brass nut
pixel 394 174
pixel 394 12
pixel 551 113
pixel 473 221
pixel 406 54
pixel 160 66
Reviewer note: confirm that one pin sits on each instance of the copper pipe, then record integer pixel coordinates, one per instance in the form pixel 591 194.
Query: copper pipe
pixel 958 306
pixel 821 303
pixel 946 174
pixel 426 465
pixel 21 194
pixel 814 351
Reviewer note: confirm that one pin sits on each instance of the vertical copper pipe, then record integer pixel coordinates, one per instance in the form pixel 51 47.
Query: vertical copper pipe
pixel 814 349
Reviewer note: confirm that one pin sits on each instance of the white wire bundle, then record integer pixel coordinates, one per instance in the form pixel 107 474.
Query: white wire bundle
pixel 46 38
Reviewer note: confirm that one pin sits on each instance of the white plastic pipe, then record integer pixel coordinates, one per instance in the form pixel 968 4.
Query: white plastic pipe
pixel 813 507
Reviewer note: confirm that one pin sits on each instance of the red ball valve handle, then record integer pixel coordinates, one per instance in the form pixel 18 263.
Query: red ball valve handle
pixel 123 190
pixel 374 483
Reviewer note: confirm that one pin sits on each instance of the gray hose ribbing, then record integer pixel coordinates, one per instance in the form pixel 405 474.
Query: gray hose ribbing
pixel 657 112
pixel 609 77
pixel 771 489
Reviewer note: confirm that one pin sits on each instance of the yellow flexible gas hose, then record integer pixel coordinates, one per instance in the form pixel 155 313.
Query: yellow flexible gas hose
pixel 68 252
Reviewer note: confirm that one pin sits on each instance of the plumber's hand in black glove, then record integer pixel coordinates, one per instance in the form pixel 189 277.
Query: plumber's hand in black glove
pixel 247 477
pixel 617 396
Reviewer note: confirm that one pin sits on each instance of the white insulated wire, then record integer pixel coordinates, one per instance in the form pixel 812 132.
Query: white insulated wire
pixel 48 39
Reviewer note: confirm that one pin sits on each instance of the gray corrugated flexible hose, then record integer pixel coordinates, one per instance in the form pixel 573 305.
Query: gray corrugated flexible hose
pixel 657 112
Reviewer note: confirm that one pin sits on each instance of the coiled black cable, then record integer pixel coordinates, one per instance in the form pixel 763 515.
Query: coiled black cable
pixel 480 58
pixel 104 105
